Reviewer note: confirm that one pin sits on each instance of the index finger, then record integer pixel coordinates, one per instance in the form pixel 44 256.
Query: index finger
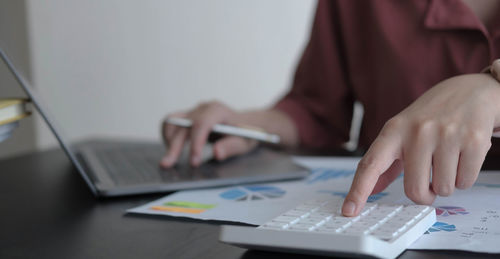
pixel 382 153
pixel 168 130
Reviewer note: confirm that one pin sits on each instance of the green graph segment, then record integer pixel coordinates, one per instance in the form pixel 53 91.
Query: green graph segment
pixel 189 204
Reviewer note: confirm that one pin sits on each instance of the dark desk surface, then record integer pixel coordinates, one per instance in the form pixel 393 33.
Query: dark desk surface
pixel 46 211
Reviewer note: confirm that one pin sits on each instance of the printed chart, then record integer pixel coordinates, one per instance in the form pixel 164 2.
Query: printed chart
pixel 441 226
pixel 253 193
pixel 183 207
pixel 468 220
pixel 446 211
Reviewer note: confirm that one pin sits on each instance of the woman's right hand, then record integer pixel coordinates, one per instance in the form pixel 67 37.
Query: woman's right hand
pixel 204 117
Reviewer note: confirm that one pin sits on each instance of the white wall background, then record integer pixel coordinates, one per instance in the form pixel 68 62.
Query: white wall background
pixel 117 67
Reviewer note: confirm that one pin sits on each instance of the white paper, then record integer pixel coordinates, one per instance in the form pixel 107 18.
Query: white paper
pixel 468 220
pixel 259 203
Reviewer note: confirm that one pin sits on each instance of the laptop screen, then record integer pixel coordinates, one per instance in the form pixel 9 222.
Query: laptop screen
pixel 42 109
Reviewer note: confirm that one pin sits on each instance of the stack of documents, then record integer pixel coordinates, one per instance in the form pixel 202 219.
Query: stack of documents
pixel 11 111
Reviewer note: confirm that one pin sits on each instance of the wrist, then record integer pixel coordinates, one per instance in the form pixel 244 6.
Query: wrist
pixel 273 121
pixel 494 82
pixel 487 90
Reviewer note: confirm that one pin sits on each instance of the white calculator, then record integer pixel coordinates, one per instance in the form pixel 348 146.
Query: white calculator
pixel 318 227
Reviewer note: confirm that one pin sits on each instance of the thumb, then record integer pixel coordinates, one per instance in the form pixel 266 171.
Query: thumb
pixel 232 146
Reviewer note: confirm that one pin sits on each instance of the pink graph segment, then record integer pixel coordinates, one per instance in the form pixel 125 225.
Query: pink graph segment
pixel 450 210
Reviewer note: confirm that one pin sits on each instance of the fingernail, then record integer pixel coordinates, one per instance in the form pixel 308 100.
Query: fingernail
pixel 167 160
pixel 221 153
pixel 195 160
pixel 349 208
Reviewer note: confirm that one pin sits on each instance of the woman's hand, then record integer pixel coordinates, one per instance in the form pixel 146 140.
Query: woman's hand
pixel 447 130
pixel 206 115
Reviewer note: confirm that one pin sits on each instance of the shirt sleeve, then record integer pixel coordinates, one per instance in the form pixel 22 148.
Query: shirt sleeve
pixel 320 102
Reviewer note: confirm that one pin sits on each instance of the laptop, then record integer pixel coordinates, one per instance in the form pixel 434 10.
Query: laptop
pixel 118 168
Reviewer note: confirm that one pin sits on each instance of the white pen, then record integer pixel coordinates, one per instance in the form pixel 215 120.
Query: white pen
pixel 243 132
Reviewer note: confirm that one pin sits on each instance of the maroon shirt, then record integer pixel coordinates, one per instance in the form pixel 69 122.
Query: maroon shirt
pixel 384 54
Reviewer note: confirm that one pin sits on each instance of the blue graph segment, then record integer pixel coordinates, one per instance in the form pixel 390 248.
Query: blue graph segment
pixel 263 188
pixel 325 174
pixel 252 193
pixel 233 194
pixel 268 191
pixel 441 226
pixel 371 198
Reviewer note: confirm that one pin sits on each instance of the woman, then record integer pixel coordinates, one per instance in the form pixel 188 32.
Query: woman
pixel 416 68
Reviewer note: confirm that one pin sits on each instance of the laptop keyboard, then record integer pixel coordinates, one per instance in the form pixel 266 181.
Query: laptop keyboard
pixel 132 165
pixel 140 164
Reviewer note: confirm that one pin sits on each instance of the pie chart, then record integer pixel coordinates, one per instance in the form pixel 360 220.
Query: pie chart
pixel 253 193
